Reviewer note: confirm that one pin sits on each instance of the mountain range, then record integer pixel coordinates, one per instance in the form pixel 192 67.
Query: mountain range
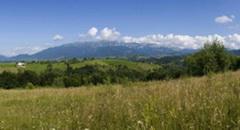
pixel 99 49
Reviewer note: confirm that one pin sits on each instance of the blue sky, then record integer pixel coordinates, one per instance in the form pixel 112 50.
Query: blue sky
pixel 32 24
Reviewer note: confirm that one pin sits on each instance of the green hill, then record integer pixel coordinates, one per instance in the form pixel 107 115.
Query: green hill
pixel 40 67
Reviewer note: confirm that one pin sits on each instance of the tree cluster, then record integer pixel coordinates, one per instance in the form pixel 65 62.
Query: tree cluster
pixel 213 58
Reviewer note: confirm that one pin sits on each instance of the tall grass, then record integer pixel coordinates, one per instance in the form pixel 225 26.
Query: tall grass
pixel 211 102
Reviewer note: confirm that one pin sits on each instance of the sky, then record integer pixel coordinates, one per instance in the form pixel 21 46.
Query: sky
pixel 28 26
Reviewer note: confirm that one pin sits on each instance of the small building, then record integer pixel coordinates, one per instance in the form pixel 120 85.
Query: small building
pixel 20 65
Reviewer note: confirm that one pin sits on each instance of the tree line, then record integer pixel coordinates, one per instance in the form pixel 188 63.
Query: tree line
pixel 71 77
pixel 212 58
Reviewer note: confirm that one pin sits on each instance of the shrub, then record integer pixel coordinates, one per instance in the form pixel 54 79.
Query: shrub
pixel 157 74
pixel 72 81
pixel 29 86
pixel 28 76
pixel 8 80
pixel 58 81
pixel 212 58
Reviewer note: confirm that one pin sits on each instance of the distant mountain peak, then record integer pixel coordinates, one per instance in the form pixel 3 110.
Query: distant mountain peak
pixel 101 49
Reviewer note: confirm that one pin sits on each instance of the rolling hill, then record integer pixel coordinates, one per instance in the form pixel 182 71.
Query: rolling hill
pixel 40 67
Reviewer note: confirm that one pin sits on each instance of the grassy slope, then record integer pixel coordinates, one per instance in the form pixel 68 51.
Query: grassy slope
pixel 8 67
pixel 192 103
pixel 41 67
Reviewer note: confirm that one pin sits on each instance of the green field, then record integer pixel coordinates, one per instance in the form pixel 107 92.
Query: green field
pixel 211 102
pixel 40 67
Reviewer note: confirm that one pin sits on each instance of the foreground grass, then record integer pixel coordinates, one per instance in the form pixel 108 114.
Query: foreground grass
pixel 192 103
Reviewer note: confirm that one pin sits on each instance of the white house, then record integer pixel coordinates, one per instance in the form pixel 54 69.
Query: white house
pixel 20 64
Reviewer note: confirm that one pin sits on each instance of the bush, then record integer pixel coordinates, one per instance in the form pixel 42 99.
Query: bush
pixel 72 81
pixel 235 60
pixel 157 74
pixel 28 77
pixel 212 58
pixel 48 77
pixel 8 80
pixel 29 86
pixel 58 82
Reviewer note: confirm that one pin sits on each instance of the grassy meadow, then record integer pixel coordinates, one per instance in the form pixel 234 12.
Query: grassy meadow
pixel 40 67
pixel 211 102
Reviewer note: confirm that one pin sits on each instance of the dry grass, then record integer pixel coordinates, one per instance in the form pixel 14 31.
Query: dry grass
pixel 211 102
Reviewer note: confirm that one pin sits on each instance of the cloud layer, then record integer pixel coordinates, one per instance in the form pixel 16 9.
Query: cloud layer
pixel 185 41
pixel 169 40
pixel 24 50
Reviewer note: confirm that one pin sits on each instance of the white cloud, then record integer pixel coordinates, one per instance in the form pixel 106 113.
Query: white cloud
pixel 234 38
pixel 169 40
pixel 25 50
pixel 224 19
pixel 58 37
pixel 109 34
pixel 184 41
pixel 92 32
